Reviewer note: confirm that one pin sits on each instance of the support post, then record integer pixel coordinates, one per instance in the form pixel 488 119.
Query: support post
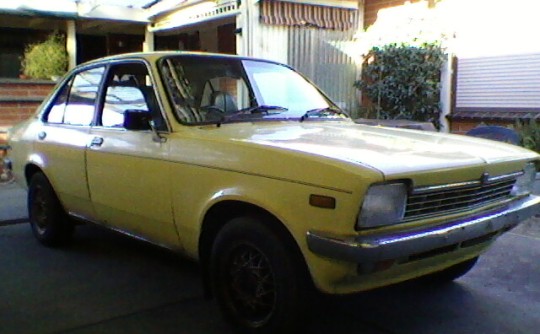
pixel 446 93
pixel 71 43
pixel 148 44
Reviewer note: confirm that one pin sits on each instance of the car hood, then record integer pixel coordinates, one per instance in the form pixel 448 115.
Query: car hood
pixel 389 150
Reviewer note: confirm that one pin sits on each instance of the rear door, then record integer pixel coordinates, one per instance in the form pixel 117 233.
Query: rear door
pixel 128 170
pixel 62 138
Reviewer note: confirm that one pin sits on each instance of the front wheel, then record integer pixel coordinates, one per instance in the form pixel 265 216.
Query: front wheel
pixel 255 278
pixel 50 225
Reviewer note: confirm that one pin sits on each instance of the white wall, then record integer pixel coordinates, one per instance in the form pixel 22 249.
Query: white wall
pixel 494 27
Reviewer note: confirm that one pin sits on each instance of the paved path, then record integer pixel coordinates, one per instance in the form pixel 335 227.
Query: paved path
pixel 12 203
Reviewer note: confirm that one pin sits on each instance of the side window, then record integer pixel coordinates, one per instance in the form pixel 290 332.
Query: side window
pixel 56 112
pixel 81 101
pixel 128 87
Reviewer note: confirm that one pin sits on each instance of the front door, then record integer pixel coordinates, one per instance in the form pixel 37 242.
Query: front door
pixel 128 171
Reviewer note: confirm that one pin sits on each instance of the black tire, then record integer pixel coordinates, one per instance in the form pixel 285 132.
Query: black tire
pixel 452 273
pixel 50 224
pixel 256 279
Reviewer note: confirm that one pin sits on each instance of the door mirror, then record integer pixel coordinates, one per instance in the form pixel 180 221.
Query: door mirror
pixel 137 120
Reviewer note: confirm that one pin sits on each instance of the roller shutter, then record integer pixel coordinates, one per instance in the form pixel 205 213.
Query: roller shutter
pixel 498 87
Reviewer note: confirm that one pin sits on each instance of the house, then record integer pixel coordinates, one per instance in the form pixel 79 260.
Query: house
pixel 491 76
pixel 493 72
pixel 307 34
pixel 92 31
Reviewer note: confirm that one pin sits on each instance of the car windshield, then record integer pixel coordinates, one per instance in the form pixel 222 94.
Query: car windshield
pixel 208 89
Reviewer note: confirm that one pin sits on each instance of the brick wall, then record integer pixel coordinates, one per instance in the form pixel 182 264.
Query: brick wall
pixel 462 126
pixel 372 7
pixel 3 152
pixel 3 142
pixel 20 98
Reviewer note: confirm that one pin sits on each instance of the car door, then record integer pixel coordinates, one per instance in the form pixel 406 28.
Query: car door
pixel 62 138
pixel 128 171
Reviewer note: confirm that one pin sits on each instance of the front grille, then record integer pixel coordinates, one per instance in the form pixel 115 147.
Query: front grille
pixel 439 200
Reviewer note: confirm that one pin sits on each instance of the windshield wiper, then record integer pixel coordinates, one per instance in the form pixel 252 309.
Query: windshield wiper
pixel 322 112
pixel 259 109
pixel 252 110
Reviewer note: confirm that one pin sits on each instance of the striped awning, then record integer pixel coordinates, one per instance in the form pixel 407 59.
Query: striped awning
pixel 274 12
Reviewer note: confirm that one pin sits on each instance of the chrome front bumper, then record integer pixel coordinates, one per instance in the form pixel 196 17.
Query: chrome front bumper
pixel 389 246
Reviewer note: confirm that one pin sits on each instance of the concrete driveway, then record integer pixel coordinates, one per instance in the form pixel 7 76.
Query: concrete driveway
pixel 108 283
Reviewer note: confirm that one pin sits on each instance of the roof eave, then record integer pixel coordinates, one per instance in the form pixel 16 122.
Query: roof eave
pixel 81 10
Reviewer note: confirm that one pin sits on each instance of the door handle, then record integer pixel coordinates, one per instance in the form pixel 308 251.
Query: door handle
pixel 41 135
pixel 96 142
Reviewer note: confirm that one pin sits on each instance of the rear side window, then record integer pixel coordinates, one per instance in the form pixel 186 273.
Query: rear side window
pixel 56 113
pixel 75 103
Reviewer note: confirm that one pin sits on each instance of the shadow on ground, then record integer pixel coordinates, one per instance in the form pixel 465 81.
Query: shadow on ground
pixel 108 283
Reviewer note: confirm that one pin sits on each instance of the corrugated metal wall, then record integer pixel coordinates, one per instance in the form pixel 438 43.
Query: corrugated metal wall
pixel 319 54
pixel 511 82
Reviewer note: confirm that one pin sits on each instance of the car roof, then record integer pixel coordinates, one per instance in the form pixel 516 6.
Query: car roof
pixel 155 55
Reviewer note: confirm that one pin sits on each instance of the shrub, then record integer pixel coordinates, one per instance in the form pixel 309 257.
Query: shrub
pixel 529 132
pixel 403 81
pixel 46 59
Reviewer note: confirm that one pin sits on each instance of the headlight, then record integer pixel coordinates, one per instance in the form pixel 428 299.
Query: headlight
pixel 384 204
pixel 525 183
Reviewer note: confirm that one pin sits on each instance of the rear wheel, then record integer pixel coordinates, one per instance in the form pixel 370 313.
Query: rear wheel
pixel 50 225
pixel 255 278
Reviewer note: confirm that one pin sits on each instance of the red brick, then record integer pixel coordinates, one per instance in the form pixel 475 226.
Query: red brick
pixel 8 118
pixel 37 92
pixel 372 7
pixel 46 88
pixel 8 105
pixel 16 92
pixel 461 126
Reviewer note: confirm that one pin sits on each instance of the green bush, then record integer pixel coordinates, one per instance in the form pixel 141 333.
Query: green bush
pixel 403 81
pixel 529 132
pixel 46 59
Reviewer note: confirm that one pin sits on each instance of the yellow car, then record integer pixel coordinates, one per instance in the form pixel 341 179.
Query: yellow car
pixel 247 167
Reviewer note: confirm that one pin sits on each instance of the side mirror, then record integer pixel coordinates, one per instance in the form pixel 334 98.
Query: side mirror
pixel 137 120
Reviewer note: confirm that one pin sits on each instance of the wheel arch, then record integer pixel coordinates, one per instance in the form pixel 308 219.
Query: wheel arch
pixel 217 217
pixel 30 170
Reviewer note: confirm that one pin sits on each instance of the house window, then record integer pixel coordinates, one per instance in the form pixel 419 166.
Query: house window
pixel 12 45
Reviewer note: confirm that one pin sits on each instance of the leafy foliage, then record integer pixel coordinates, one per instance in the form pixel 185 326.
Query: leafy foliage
pixel 403 81
pixel 529 132
pixel 46 59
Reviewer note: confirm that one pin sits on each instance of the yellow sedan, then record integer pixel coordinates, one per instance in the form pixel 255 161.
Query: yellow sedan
pixel 247 167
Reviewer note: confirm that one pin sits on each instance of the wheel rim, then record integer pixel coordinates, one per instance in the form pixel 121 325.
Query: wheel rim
pixel 38 211
pixel 250 283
